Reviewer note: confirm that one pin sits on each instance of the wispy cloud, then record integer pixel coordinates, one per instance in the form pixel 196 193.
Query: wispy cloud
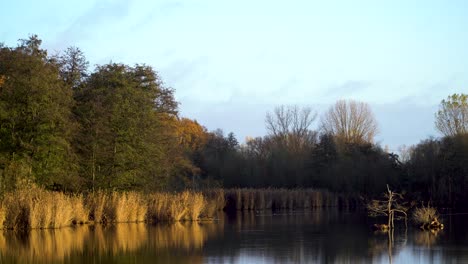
pixel 103 12
pixel 347 89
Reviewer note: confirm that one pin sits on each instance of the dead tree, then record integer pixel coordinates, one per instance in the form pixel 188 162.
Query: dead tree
pixel 391 206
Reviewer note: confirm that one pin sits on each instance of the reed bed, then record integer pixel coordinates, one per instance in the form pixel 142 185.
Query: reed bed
pixel 215 201
pixel 185 206
pixel 31 207
pixel 280 199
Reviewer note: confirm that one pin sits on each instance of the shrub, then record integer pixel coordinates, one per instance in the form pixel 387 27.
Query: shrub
pixel 424 214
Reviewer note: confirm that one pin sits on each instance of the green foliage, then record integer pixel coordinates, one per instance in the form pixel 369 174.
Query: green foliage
pixel 35 117
pixel 125 127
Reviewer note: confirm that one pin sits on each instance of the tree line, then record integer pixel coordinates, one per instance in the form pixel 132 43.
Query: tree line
pixel 117 127
pixel 67 128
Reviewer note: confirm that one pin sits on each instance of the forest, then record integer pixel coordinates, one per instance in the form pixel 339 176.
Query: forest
pixel 117 127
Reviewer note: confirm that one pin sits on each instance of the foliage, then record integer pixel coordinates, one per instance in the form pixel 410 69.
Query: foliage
pixel 452 117
pixel 73 66
pixel 36 125
pixel 124 132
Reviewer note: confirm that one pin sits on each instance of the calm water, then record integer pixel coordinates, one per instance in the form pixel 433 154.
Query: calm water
pixel 298 237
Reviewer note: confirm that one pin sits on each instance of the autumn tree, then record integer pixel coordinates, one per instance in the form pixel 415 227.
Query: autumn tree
pixel 192 136
pixel 452 117
pixel 350 122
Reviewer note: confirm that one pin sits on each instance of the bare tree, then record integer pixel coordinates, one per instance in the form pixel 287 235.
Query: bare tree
pixel 350 121
pixel 452 117
pixel 388 207
pixel 290 125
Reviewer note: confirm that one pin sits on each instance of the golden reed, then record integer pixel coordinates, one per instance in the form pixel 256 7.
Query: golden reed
pixel 31 207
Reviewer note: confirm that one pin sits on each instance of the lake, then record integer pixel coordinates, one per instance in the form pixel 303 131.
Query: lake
pixel 321 236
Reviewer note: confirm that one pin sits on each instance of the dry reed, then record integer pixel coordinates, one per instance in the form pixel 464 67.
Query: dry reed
pixel 270 198
pixel 33 207
pixel 215 201
pixel 185 206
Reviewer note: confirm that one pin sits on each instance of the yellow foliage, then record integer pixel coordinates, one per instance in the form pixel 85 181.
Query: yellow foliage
pixel 2 80
pixel 191 134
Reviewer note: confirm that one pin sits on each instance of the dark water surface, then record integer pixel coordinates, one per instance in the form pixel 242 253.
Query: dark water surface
pixel 324 236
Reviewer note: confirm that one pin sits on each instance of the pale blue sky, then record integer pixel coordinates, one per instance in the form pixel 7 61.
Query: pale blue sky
pixel 231 61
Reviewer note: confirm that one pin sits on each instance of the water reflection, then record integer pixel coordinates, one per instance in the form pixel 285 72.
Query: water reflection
pixel 84 242
pixel 321 236
pixel 427 238
pixel 44 245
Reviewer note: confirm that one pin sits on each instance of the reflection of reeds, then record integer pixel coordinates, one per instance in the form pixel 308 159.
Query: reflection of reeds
pixel 261 199
pixel 57 245
pixel 426 238
pixel 44 245
pixel 124 237
pixel 182 235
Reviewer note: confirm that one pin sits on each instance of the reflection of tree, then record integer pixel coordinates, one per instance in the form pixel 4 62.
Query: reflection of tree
pixel 388 245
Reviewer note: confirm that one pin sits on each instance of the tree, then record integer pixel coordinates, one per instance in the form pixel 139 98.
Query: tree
pixel 289 126
pixel 350 122
pixel 129 128
pixel 392 204
pixel 192 136
pixel 35 117
pixel 73 66
pixel 452 117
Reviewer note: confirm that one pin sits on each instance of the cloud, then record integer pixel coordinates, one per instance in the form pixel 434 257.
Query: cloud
pixel 347 89
pixel 103 12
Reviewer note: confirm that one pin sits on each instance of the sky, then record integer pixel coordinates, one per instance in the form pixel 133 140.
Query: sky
pixel 230 62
